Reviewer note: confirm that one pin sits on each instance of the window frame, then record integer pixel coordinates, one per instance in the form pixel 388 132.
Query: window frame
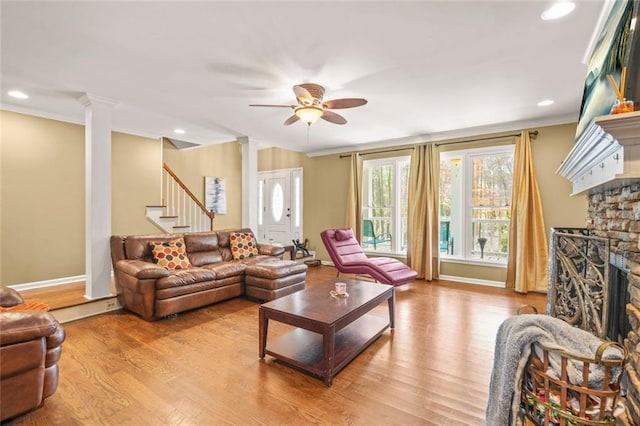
pixel 396 200
pixel 466 186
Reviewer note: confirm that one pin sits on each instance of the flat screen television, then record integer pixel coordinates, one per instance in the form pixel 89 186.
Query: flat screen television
pixel 617 46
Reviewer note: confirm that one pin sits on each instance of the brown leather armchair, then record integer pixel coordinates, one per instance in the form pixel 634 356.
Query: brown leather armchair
pixel 30 347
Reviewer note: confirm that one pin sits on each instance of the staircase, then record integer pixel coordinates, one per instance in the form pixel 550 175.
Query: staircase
pixel 181 210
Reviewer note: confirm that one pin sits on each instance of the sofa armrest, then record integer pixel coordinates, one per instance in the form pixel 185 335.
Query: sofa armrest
pixel 10 297
pixel 141 269
pixel 22 326
pixel 270 250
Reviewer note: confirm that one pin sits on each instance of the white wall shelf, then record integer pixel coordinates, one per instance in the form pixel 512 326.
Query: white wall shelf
pixel 607 155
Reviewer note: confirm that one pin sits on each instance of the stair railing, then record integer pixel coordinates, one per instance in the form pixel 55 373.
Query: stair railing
pixel 179 201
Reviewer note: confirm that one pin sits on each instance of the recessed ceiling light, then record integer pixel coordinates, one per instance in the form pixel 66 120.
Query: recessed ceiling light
pixel 179 131
pixel 546 102
pixel 558 10
pixel 18 94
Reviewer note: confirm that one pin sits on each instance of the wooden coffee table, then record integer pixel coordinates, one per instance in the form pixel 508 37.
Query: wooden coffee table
pixel 331 331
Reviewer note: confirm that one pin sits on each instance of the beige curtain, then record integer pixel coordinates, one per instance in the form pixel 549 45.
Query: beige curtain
pixel 528 249
pixel 354 196
pixel 422 220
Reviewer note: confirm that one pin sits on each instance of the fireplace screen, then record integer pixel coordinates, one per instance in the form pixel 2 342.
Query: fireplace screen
pixel 578 279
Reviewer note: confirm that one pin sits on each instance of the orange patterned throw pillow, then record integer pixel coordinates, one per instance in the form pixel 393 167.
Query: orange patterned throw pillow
pixel 27 306
pixel 243 245
pixel 170 254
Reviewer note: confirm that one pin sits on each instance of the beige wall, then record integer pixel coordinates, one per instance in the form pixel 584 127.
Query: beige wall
pixel 1 168
pixel 277 159
pixel 325 180
pixel 43 199
pixel 42 192
pixel 223 160
pixel 136 174
pixel 549 150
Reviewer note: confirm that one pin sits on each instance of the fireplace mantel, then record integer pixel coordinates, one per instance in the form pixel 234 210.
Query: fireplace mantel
pixel 607 155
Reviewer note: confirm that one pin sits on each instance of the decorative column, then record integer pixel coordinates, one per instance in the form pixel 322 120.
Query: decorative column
pixel 97 195
pixel 249 183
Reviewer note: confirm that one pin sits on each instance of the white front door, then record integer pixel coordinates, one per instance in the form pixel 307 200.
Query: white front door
pixel 280 217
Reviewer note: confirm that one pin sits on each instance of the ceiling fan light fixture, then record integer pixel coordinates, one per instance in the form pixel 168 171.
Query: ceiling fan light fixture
pixel 309 114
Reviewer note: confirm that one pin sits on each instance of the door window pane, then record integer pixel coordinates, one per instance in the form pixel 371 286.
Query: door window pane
pixel 277 202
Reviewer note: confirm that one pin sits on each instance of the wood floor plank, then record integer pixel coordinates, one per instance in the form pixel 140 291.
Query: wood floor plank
pixel 202 367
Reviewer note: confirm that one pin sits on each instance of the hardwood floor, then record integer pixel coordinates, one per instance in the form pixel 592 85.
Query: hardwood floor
pixel 202 367
pixel 60 296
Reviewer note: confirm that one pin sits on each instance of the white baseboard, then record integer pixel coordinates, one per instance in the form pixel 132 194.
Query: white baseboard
pixel 85 310
pixel 48 283
pixel 467 280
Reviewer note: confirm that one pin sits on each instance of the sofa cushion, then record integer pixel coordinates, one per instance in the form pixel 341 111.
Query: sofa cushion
pixel 243 245
pixel 275 269
pixel 170 254
pixel 203 248
pixel 226 269
pixel 184 277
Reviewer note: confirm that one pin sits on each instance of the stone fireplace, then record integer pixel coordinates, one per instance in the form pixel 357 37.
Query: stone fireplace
pixel 615 214
pixel 605 163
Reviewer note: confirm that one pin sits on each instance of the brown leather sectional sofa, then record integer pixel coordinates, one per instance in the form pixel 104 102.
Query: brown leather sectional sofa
pixel 30 348
pixel 154 292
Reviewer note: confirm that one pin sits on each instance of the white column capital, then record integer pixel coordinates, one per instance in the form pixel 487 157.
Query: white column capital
pixel 88 99
pixel 243 140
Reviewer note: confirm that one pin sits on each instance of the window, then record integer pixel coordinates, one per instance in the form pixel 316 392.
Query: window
pixel 384 204
pixel 475 203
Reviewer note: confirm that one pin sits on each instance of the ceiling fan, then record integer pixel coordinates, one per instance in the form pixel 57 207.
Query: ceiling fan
pixel 311 107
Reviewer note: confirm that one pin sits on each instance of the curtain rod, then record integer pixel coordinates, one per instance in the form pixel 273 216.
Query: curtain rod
pixel 532 133
pixel 377 152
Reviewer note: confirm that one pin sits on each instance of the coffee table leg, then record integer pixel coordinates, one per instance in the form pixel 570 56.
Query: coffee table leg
pixel 392 309
pixel 263 327
pixel 328 343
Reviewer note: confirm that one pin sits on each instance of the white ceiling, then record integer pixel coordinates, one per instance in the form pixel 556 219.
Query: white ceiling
pixel 429 70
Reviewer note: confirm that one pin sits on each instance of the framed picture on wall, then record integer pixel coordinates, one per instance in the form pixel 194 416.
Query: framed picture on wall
pixel 613 51
pixel 215 194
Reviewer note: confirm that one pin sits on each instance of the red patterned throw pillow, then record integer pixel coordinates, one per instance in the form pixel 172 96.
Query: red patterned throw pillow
pixel 243 245
pixel 170 254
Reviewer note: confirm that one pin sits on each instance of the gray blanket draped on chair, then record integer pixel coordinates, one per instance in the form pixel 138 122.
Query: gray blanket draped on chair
pixel 512 350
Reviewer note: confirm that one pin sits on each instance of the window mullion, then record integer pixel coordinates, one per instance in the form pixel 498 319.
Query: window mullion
pixel 395 213
pixel 466 208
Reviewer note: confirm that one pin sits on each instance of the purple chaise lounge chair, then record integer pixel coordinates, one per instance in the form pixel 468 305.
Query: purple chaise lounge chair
pixel 348 257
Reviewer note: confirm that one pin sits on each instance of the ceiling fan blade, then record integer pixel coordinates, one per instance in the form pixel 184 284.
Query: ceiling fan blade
pixel 291 120
pixel 303 95
pixel 333 117
pixel 274 106
pixel 345 103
